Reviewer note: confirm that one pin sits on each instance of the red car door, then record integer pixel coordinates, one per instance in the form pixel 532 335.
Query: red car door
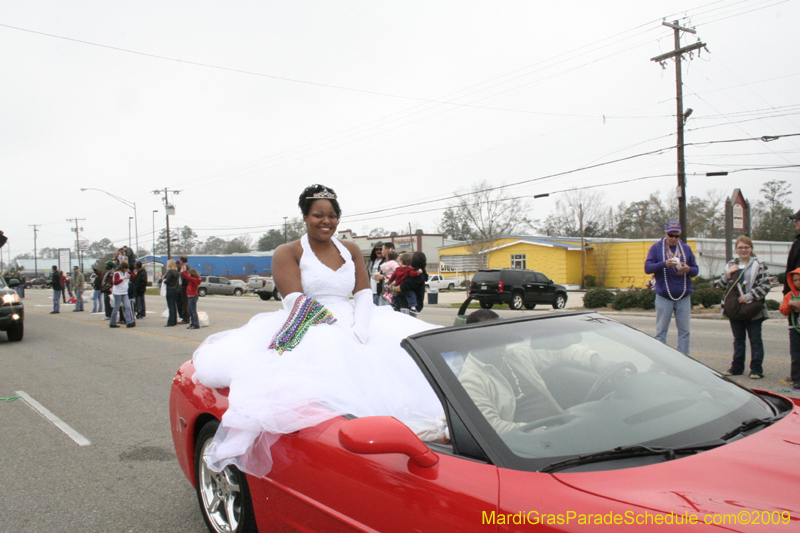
pixel 317 485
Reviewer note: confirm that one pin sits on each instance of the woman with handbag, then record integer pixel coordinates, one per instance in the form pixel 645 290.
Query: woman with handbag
pixel 746 284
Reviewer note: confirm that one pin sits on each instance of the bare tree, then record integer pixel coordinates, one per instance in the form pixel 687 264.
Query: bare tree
pixel 601 256
pixel 574 205
pixel 711 256
pixel 490 213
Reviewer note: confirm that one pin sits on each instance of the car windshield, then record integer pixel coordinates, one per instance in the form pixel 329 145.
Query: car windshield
pixel 551 388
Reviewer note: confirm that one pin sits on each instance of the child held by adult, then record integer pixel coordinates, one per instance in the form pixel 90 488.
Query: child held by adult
pixel 405 270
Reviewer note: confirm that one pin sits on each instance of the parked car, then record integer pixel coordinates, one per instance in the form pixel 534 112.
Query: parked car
pixel 38 283
pixel 218 285
pixel 12 312
pixel 636 434
pixel 264 287
pixel 437 281
pixel 241 284
pixel 517 288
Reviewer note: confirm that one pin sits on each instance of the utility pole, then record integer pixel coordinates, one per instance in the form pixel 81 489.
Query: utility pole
pixel 583 250
pixel 682 115
pixel 35 252
pixel 77 231
pixel 170 210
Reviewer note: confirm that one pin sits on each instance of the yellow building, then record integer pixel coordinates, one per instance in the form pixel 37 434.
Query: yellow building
pixel 617 262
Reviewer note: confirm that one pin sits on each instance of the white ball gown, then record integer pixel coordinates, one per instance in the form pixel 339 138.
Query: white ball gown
pixel 329 373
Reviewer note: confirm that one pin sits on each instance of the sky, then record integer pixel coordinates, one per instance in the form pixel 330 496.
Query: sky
pixel 397 106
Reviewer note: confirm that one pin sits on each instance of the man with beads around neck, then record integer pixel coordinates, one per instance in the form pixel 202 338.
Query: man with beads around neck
pixel 673 264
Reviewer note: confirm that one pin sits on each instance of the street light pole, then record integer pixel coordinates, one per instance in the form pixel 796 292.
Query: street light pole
pixel 154 233
pixel 129 204
pixel 129 232
pixel 284 230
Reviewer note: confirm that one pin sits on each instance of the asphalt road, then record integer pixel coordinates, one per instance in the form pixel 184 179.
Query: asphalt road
pixel 111 387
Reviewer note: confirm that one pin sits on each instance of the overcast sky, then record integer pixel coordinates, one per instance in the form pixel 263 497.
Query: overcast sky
pixel 241 104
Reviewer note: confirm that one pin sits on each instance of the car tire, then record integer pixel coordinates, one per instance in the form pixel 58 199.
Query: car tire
pixel 265 295
pixel 451 287
pixel 237 292
pixel 202 291
pixel 560 302
pixel 16 332
pixel 530 306
pixel 517 301
pixel 486 305
pixel 224 497
pixel 276 295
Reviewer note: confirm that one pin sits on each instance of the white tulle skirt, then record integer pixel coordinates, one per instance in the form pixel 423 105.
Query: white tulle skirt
pixel 329 373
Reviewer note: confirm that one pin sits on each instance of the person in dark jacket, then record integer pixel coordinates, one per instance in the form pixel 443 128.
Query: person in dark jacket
pixel 793 261
pixel 55 284
pixel 140 284
pixel 172 280
pixel 97 293
pixel 106 287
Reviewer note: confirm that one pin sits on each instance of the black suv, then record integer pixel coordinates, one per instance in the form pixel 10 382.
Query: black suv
pixel 517 288
pixel 12 313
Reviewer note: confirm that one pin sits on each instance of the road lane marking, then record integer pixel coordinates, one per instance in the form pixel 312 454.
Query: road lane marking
pixel 60 424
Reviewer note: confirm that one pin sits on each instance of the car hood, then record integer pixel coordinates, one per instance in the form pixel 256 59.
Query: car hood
pixel 755 473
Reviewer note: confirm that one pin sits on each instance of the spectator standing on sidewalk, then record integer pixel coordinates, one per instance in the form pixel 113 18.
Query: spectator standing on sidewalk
pixel 97 292
pixel 64 285
pixel 107 287
pixel 172 279
pixel 78 284
pixel 183 297
pixel 791 307
pixel 673 263
pixel 122 279
pixel 140 282
pixel 55 284
pixel 376 259
pixel 192 282
pixel 750 278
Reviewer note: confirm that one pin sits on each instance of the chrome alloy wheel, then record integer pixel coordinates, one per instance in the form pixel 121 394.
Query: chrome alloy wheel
pixel 220 492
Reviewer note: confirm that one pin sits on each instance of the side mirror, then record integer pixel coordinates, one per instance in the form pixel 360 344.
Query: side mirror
pixel 385 434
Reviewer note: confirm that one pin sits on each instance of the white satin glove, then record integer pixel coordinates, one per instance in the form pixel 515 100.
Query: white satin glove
pixel 363 304
pixel 289 299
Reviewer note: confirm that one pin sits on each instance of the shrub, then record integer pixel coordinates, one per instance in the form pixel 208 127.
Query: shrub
pixel 595 298
pixel 647 299
pixel 707 297
pixel 702 285
pixel 772 305
pixel 781 277
pixel 589 281
pixel 635 298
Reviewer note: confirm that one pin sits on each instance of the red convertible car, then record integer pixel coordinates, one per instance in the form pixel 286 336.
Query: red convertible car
pixel 572 422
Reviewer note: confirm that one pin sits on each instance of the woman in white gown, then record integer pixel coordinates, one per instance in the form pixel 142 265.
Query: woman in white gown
pixel 322 356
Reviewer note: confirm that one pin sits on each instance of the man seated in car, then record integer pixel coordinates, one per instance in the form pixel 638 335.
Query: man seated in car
pixel 505 383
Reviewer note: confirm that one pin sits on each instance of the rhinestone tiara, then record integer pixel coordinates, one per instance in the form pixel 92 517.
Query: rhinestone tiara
pixel 327 195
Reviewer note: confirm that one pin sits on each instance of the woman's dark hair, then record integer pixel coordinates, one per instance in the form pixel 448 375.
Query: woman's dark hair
pixel 418 260
pixel 374 253
pixel 322 193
